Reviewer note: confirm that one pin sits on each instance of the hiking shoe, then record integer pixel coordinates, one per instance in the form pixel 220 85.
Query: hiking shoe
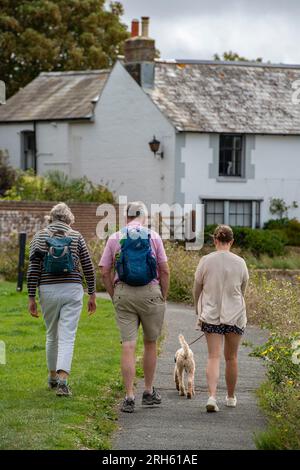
pixel 52 384
pixel 128 405
pixel 211 405
pixel 153 398
pixel 231 402
pixel 63 390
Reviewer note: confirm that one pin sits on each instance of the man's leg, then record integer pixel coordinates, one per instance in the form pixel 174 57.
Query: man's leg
pixel 128 366
pixel 150 358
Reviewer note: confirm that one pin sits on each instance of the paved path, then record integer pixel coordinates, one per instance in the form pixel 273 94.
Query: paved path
pixel 184 424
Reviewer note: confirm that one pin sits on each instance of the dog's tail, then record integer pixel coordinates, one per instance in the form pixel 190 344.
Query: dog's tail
pixel 184 345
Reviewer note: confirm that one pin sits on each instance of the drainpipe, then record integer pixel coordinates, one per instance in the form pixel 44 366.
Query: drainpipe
pixel 35 149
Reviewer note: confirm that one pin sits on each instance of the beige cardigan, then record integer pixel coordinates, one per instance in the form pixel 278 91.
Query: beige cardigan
pixel 222 277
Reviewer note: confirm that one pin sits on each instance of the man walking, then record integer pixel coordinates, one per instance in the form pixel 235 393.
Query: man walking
pixel 136 275
pixel 56 254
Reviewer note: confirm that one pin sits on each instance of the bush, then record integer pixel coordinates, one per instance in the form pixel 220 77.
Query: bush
pixel 270 242
pixel 289 228
pixel 280 395
pixel 56 186
pixel 8 174
pixel 9 258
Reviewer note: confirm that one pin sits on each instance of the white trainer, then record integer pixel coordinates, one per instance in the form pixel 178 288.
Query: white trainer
pixel 211 405
pixel 231 402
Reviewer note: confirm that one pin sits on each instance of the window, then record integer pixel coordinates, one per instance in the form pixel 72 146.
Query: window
pixel 240 213
pixel 214 212
pixel 28 152
pixel 231 155
pixel 232 212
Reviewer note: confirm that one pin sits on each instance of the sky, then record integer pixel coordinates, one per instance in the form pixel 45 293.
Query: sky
pixel 197 29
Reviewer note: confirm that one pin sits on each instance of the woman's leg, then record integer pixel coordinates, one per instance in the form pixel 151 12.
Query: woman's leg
pixel 214 345
pixel 50 310
pixel 232 342
pixel 67 328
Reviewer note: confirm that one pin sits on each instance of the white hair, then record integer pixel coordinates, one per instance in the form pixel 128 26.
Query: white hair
pixel 136 209
pixel 63 213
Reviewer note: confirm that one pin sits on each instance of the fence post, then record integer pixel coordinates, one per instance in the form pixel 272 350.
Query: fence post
pixel 22 245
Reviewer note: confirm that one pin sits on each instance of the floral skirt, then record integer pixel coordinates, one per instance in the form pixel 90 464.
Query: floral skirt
pixel 221 329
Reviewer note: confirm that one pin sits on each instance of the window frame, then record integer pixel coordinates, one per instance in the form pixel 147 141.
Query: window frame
pixel 255 211
pixel 222 148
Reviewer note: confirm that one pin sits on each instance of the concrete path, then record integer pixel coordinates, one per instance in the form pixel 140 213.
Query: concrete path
pixel 184 424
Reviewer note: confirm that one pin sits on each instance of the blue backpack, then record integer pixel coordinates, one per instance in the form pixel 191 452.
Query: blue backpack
pixel 135 264
pixel 59 258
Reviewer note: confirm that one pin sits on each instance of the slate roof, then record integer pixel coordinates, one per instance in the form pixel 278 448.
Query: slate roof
pixel 210 96
pixel 196 96
pixel 55 96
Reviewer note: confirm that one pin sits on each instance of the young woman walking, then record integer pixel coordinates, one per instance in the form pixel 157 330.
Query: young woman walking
pixel 220 284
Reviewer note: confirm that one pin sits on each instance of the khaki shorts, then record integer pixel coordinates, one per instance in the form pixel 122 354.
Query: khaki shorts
pixel 135 305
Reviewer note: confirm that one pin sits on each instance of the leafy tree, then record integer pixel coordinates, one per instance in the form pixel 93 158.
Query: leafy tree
pixel 235 57
pixel 279 207
pixel 58 35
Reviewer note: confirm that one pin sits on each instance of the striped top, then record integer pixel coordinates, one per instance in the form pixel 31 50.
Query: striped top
pixel 37 276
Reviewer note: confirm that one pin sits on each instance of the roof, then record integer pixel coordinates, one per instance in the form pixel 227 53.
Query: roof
pixel 215 96
pixel 55 96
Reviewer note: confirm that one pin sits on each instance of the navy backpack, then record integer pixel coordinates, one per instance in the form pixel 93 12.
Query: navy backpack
pixel 136 264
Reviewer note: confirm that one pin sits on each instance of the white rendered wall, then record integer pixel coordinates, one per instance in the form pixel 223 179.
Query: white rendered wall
pixel 115 151
pixel 10 140
pixel 53 147
pixel 277 172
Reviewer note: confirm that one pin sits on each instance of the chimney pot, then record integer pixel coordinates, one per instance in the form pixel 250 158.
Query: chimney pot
pixel 135 27
pixel 145 26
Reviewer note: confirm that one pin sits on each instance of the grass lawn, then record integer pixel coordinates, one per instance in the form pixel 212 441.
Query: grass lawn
pixel 31 416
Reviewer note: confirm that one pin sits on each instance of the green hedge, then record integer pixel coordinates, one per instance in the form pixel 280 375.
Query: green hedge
pixel 258 241
pixel 290 228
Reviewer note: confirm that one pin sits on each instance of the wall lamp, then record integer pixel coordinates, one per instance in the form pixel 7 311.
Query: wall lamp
pixel 154 146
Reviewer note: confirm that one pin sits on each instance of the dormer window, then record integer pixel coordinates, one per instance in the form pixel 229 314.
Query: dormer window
pixel 231 160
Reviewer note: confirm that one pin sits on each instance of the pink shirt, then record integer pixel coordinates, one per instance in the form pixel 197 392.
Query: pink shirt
pixel 113 247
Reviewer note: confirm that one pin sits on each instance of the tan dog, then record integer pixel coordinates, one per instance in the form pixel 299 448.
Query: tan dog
pixel 184 359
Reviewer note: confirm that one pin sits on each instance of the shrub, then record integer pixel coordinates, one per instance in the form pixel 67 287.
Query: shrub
pixel 9 258
pixel 8 174
pixel 96 248
pixel 257 241
pixel 280 395
pixel 56 186
pixel 289 228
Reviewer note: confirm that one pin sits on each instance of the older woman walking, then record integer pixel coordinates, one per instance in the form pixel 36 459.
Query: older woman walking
pixel 56 254
pixel 220 283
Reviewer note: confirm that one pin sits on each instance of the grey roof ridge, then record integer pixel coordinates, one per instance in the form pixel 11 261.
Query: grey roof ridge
pixel 229 63
pixel 75 72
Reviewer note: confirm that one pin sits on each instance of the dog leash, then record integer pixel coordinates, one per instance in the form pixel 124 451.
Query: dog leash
pixel 197 339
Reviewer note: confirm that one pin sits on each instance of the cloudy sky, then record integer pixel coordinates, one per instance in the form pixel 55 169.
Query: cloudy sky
pixel 196 29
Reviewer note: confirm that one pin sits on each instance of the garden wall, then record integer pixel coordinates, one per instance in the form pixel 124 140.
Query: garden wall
pixel 30 216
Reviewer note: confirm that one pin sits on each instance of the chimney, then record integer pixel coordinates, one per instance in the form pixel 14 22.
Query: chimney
pixel 135 26
pixel 139 54
pixel 145 26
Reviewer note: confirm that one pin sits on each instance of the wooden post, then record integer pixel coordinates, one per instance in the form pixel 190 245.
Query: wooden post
pixel 22 245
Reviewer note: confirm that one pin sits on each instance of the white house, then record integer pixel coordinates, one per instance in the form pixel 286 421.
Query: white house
pixel 229 132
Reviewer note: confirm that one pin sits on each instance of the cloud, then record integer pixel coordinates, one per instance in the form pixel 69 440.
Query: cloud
pixel 196 29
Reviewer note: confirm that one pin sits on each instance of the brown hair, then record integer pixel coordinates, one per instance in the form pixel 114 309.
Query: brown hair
pixel 223 233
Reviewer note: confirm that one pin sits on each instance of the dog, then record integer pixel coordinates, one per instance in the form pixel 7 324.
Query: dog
pixel 184 362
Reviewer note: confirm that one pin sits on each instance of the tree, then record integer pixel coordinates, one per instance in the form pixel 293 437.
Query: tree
pixel 57 35
pixel 235 57
pixel 279 207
